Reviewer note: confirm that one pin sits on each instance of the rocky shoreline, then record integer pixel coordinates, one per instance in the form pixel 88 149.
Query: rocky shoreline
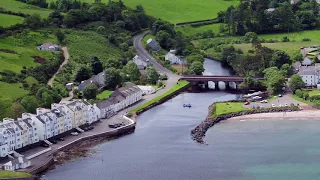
pixel 198 133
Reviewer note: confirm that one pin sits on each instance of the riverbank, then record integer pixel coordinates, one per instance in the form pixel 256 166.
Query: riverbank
pixel 199 132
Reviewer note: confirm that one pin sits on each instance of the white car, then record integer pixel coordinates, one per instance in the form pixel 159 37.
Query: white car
pixel 264 101
pixel 147 60
pixel 280 105
pixel 286 105
pixel 74 134
pixel 273 105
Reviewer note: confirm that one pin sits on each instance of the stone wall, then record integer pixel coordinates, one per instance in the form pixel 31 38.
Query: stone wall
pixel 199 132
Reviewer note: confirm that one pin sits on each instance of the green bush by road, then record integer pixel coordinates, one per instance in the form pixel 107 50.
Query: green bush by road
pixel 175 88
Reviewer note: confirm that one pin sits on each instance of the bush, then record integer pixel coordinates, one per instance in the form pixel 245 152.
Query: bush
pixel 305 95
pixel 285 39
pixel 306 39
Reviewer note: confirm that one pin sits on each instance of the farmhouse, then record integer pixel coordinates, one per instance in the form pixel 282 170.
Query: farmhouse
pixel 309 74
pixel 153 44
pixel 172 57
pixel 49 47
pixel 98 80
pixel 139 62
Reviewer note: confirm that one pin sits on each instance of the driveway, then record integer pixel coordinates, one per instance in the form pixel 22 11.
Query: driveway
pixel 66 59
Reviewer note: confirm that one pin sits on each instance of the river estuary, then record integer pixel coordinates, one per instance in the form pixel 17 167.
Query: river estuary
pixel 161 147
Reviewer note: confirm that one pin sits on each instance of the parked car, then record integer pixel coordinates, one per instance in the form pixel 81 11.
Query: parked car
pixel 247 103
pixel 54 141
pixel 88 128
pixel 286 105
pixel 264 101
pixel 74 134
pixel 61 139
pixel 273 105
pixel 44 144
pixel 280 105
pixel 280 95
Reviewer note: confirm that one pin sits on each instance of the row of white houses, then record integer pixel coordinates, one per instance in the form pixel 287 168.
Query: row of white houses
pixel 62 117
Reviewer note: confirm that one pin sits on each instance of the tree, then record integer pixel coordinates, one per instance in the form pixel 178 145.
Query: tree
pixel 132 70
pixel 113 63
pixel 197 68
pixel 60 36
pixel 152 75
pixel 195 57
pixel 298 57
pixel 163 38
pixel 274 79
pixel 112 78
pixel 296 82
pixel 34 21
pixel 96 65
pixel 251 37
pixel 101 30
pixel 227 54
pixel 46 100
pixel 90 91
pixel 30 104
pixel 83 73
pixel 286 69
pixel 56 18
pixel 279 58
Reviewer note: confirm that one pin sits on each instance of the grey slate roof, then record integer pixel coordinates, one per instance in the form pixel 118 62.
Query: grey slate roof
pixel 58 112
pixel 306 61
pixel 27 122
pixel 96 79
pixel 104 104
pixel 16 123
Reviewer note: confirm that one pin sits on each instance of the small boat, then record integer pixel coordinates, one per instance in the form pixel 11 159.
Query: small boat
pixel 187 105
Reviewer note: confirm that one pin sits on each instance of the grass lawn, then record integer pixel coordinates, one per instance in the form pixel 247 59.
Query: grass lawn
pixel 191 31
pixel 7 20
pixel 301 99
pixel 314 92
pixel 104 95
pixel 22 47
pixel 10 174
pixel 16 6
pixel 175 88
pixel 225 108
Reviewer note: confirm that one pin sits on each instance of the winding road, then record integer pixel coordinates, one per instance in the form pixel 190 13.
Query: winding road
pixel 143 53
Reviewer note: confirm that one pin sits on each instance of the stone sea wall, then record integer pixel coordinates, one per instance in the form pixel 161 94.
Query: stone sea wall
pixel 199 132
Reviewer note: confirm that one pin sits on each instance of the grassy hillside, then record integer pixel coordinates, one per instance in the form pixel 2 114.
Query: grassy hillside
pixel 16 6
pixel 7 20
pixel 178 11
pixel 17 51
pixel 86 44
pixel 191 31
pixel 292 47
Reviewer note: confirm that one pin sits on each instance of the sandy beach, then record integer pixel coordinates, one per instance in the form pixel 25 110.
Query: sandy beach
pixel 297 115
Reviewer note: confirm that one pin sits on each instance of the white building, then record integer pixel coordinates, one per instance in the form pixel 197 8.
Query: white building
pixel 107 108
pixel 172 57
pixel 93 113
pixel 63 118
pixel 17 163
pixel 147 90
pixel 5 140
pixel 139 62
pixel 16 131
pixel 309 74
pixel 49 47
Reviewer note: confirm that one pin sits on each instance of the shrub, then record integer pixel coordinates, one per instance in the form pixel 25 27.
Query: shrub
pixel 306 39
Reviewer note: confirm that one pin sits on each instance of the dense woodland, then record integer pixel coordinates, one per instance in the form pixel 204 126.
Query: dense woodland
pixel 252 16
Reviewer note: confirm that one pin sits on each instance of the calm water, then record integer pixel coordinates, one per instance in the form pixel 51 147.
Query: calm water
pixel 161 148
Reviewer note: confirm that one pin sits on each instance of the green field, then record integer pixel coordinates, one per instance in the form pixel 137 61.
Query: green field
pixel 16 6
pixel 104 95
pixel 175 88
pixel 86 44
pixel 191 31
pixel 178 11
pixel 22 47
pixel 7 20
pixel 8 94
pixel 225 108
pixel 10 174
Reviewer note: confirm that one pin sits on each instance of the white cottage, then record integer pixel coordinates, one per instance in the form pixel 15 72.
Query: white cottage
pixel 147 90
pixel 17 163
pixel 172 57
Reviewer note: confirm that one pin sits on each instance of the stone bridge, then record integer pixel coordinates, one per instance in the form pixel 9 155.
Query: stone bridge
pixel 228 81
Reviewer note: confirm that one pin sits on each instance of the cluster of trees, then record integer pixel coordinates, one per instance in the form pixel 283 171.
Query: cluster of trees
pixel 43 97
pixel 253 16
pixel 255 62
pixel 40 3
